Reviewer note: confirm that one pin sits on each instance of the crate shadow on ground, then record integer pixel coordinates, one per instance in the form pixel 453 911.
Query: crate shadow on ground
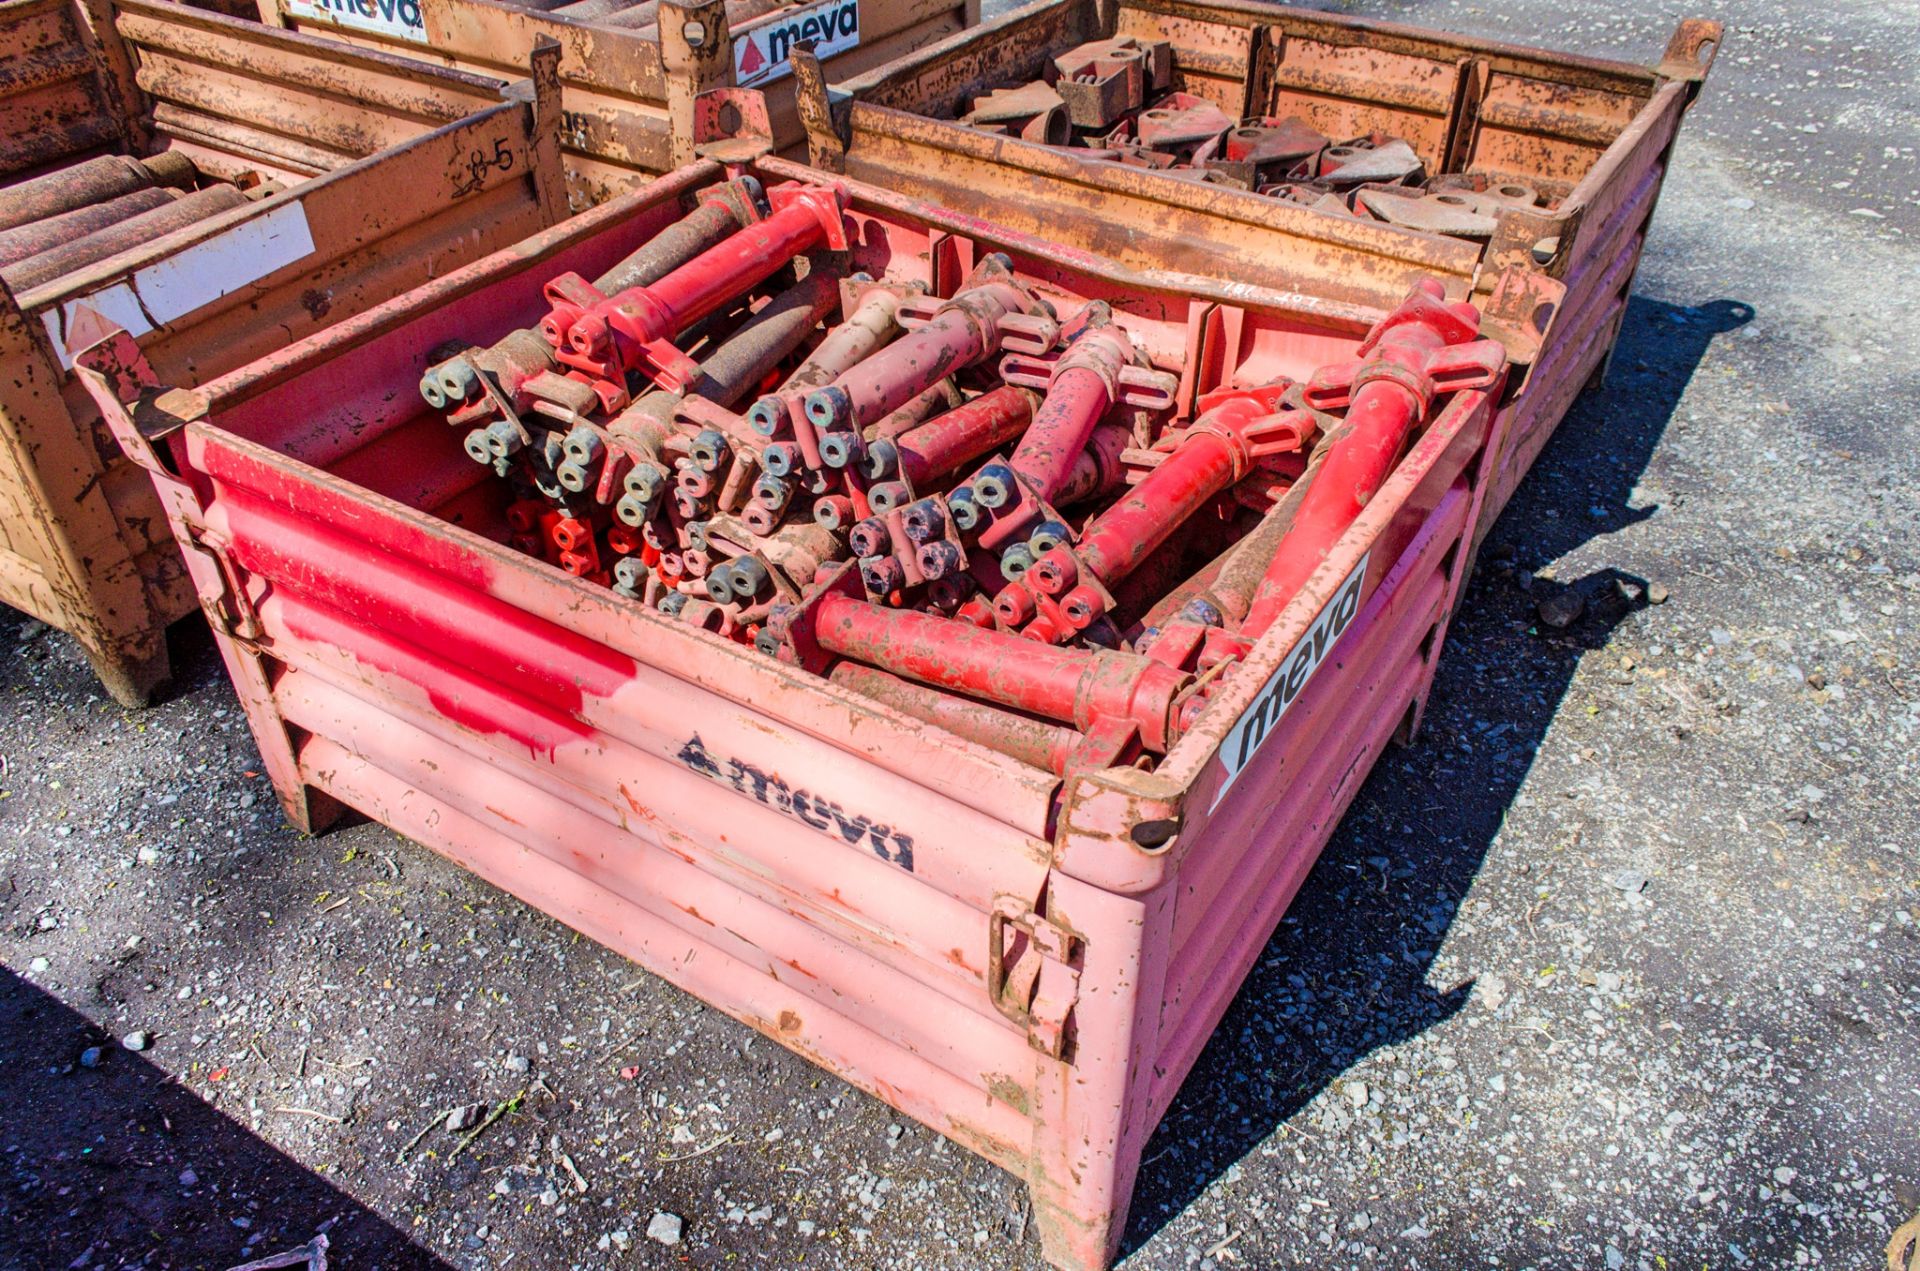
pixel 1348 970
pixel 119 1165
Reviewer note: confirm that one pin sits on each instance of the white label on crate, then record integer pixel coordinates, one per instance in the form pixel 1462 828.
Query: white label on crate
pixel 400 19
pixel 195 276
pixel 1284 686
pixel 761 55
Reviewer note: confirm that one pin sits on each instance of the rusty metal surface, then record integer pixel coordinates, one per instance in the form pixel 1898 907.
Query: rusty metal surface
pixel 630 73
pixel 1147 218
pixel 86 184
pixel 55 102
pixel 82 545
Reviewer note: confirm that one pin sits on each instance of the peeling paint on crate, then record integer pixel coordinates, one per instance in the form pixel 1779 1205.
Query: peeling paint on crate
pixel 194 277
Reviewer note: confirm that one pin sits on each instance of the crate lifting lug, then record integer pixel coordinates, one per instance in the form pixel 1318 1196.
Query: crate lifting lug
pixel 1038 986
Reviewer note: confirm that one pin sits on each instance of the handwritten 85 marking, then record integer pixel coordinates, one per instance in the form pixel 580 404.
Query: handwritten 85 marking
pixel 478 164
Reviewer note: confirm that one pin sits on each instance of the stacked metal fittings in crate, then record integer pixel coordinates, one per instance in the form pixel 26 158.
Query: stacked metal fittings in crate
pixel 944 650
pixel 944 488
pixel 265 183
pixel 940 632
pixel 1298 149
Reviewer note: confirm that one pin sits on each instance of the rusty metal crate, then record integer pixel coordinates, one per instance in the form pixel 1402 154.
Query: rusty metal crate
pixel 1594 135
pixel 395 172
pixel 868 890
pixel 630 72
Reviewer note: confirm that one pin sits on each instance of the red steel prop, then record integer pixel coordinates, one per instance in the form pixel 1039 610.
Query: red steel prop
pixel 632 330
pixel 1424 348
pixel 1083 687
pixel 514 364
pixel 909 461
pixel 1098 369
pixel 1238 429
pixel 989 314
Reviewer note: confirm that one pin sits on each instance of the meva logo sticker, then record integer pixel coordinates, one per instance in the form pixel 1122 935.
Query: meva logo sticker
pixel 400 19
pixel 1284 686
pixel 761 55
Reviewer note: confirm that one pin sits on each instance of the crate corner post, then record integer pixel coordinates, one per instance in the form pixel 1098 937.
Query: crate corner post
pixel 1094 1107
pixel 50 465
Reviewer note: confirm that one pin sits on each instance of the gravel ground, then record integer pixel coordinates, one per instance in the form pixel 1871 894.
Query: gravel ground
pixel 1617 966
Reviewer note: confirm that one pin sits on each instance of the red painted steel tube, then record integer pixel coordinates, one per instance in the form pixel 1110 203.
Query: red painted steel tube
pixel 622 331
pixel 869 326
pixel 1227 581
pixel 964 332
pixel 519 356
pixel 872 323
pixel 1084 387
pixel 1377 425
pixel 946 441
pixel 1076 686
pixel 1097 470
pixel 938 399
pixel 1126 534
pixel 1222 446
pixel 1033 742
pixel 1392 392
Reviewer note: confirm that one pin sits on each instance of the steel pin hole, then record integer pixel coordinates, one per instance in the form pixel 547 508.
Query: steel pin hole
pixel 694 33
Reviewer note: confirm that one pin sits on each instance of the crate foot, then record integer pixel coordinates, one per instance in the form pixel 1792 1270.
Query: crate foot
pixel 131 680
pixel 310 809
pixel 1409 729
pixel 1070 1242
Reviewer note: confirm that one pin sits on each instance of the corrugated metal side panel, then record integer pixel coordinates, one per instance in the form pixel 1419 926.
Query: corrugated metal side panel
pixel 284 94
pixel 1547 133
pixel 471 672
pixel 1609 215
pixel 464 826
pixel 53 102
pixel 1243 861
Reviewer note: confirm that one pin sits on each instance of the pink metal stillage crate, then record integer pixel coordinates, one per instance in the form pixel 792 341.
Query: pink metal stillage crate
pixel 1027 965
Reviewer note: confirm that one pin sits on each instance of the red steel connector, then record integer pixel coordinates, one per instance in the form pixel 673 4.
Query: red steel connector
pixel 1083 687
pixel 1423 348
pixel 512 362
pixel 1237 428
pixel 607 336
pixel 989 313
pixel 1097 369
pixel 902 465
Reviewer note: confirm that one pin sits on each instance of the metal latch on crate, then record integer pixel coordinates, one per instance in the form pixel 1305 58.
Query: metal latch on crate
pixel 231 610
pixel 1035 984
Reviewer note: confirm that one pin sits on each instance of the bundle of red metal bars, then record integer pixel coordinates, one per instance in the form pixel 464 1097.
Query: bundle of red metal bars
pixel 1113 100
pixel 984 512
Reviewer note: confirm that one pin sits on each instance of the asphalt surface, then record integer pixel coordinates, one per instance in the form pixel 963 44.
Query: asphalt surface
pixel 1616 966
